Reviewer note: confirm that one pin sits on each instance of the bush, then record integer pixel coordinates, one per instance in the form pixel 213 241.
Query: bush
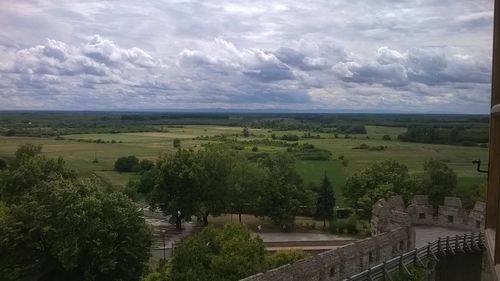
pixel 386 137
pixel 343 226
pixel 352 224
pixel 10 133
pixel 146 165
pixel 3 164
pixel 177 143
pixel 344 213
pixel 27 150
pixel 131 191
pixel 290 137
pixel 127 164
pixel 255 149
pixel 284 257
pixel 362 146
pixel 337 226
pixel 468 143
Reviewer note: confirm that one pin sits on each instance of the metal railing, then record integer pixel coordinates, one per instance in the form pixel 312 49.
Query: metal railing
pixel 443 246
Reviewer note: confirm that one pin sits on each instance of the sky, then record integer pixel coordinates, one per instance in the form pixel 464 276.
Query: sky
pixel 316 56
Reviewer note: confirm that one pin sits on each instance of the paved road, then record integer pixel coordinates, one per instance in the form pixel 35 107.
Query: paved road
pixel 279 236
pixel 426 234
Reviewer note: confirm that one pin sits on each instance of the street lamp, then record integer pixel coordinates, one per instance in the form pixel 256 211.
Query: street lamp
pixel 179 219
pixel 163 236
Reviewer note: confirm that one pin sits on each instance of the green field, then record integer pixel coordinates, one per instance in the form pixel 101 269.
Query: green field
pixel 80 154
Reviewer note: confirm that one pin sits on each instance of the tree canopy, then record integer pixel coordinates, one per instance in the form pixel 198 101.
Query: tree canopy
pixel 212 181
pixel 55 226
pixel 228 253
pixel 380 180
pixel 284 192
pixel 127 164
pixel 438 181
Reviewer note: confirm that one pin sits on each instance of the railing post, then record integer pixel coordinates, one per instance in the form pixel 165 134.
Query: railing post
pixel 466 244
pixel 448 246
pixel 458 246
pixel 475 244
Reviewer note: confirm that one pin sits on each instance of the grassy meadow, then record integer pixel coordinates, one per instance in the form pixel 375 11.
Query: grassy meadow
pixel 80 153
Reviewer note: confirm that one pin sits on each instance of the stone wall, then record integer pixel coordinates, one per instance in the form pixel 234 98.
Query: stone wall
pixel 344 261
pixel 391 213
pixel 392 235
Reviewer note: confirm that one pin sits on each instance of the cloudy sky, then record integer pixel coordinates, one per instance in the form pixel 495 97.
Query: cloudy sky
pixel 367 56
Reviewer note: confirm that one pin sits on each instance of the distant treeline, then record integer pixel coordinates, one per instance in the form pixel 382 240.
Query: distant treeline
pixel 453 129
pixel 456 135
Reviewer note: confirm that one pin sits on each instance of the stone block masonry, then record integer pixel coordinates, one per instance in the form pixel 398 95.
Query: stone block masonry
pixel 392 235
pixel 344 261
pixel 388 214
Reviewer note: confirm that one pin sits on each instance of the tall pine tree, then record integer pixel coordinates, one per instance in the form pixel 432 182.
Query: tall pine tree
pixel 326 200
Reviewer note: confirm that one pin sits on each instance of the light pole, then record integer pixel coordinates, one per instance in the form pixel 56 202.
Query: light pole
pixel 179 222
pixel 163 236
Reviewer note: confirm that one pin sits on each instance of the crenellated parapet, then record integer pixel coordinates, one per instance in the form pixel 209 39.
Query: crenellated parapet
pixel 391 213
pixel 343 262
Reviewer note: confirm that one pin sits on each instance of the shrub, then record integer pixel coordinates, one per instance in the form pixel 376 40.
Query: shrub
pixel 255 149
pixel 10 133
pixel 3 163
pixel 352 224
pixel 344 213
pixel 177 143
pixel 284 257
pixel 290 137
pixel 146 165
pixel 468 143
pixel 127 164
pixel 386 137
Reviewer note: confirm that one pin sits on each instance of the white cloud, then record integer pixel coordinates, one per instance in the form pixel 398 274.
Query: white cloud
pixel 431 55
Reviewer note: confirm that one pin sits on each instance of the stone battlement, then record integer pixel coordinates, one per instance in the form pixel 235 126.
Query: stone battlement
pixel 391 213
pixel 392 235
pixel 344 261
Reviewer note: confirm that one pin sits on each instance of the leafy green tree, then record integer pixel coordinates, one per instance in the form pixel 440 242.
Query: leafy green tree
pixel 283 194
pixel 127 164
pixel 146 165
pixel 472 194
pixel 228 253
pixel 27 150
pixel 244 182
pixel 438 181
pixel 193 183
pixel 212 173
pixel 246 132
pixel 67 230
pixel 29 171
pixel 176 186
pixel 384 178
pixel 325 203
pixel 146 182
